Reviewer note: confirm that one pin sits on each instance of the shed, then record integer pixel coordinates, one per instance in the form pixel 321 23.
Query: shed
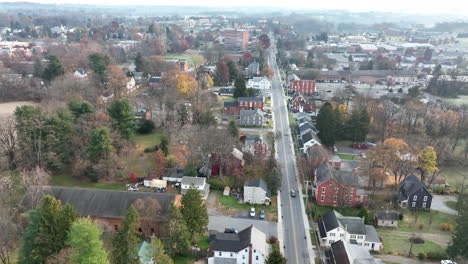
pixel 227 191
pixel 158 183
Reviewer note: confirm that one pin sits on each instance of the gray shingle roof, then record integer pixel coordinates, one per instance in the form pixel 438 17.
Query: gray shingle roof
pixel 326 172
pixel 102 203
pixel 231 242
pixel 387 215
pixel 250 112
pixel 409 186
pixel 197 181
pixel 230 104
pixel 257 183
pixel 354 225
pixel 371 234
pixel 250 99
pixel 330 220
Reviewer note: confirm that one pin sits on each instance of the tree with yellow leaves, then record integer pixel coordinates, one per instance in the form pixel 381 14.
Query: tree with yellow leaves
pixel 186 84
pixel 427 161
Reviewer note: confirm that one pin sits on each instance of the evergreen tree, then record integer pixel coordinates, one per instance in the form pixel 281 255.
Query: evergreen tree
pixel 156 252
pixel 274 181
pixel 178 237
pixel 275 257
pixel 80 107
pixel 326 124
pixel 98 63
pixel 357 125
pixel 85 239
pixel 125 242
pixel 164 145
pixel 240 88
pixel 233 129
pixel 53 69
pixel 122 118
pixel 139 62
pixel 59 138
pixel 194 212
pixel 48 231
pixel 100 146
pixel 233 70
pixel 458 249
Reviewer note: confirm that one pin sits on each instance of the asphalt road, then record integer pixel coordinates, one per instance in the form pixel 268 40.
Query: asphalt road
pixel 294 234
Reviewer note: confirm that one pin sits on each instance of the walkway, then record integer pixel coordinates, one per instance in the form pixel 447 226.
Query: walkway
pixel 438 203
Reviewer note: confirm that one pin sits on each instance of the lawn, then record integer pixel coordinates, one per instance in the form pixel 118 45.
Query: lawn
pixel 461 100
pixel 453 175
pixel 413 219
pixel 400 244
pixel 148 140
pixel 181 57
pixel 451 204
pixel 345 156
pixel 183 259
pixel 203 242
pixel 292 120
pixel 67 180
pixel 229 203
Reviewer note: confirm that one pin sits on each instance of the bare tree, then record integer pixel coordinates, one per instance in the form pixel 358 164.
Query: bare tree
pixel 8 146
pixel 31 181
pixel 149 210
pixel 9 223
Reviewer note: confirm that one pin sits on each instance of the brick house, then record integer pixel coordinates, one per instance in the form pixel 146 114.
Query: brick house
pixel 232 108
pixel 337 188
pixel 255 145
pixel 251 102
pixel 302 103
pixel 302 86
pixel 107 208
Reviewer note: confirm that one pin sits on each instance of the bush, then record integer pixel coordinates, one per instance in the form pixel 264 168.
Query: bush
pixel 216 185
pixel 446 227
pixel 421 255
pixel 421 226
pixel 436 255
pixel 439 190
pixel 146 126
pixel 151 149
pixel 273 240
pixel 401 216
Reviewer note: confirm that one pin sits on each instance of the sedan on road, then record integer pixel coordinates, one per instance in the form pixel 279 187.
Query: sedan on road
pixel 293 193
pixel 252 212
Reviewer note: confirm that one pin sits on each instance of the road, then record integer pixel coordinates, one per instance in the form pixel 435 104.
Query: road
pixel 293 224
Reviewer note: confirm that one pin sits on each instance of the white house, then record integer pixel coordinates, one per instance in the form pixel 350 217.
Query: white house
pixel 198 183
pixel 247 246
pixel 334 227
pixel 259 83
pixel 256 192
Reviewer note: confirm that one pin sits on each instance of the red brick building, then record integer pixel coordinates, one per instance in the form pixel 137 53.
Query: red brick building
pixel 302 86
pixel 251 102
pixel 337 188
pixel 232 108
pixel 236 39
pixel 302 103
pixel 107 208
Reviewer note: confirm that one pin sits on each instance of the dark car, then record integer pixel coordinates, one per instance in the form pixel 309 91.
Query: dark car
pixel 293 193
pixel 359 146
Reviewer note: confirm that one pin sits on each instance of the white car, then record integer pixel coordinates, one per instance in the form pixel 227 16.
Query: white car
pixel 447 262
pixel 252 212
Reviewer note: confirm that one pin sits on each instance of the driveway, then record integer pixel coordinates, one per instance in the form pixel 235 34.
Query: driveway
pixel 219 223
pixel 438 204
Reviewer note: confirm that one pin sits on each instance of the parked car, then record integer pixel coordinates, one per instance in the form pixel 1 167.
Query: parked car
pixel 447 262
pixel 231 231
pixel 262 214
pixel 293 193
pixel 133 188
pixel 370 144
pixel 359 146
pixel 252 212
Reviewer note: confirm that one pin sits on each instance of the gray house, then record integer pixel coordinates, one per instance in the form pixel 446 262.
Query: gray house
pixel 413 194
pixel 256 192
pixel 252 117
pixel 386 218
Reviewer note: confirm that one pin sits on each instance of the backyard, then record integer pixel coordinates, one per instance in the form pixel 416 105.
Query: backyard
pixel 228 203
pixel 400 244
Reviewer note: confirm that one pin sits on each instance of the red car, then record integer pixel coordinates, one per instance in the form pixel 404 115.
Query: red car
pixel 359 146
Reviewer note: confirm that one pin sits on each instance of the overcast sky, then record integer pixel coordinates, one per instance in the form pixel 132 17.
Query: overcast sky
pixel 413 6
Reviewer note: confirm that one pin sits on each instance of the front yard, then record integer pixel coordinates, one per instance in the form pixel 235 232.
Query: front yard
pixel 232 206
pixel 400 244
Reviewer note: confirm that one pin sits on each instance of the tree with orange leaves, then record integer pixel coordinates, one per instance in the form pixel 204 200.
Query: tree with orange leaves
pixel 117 80
pixel 267 72
pixel 160 162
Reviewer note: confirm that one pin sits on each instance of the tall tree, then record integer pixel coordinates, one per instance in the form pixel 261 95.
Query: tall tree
pixel 125 242
pixel 274 181
pixel 47 232
pixel 233 129
pixel 122 118
pixel 357 125
pixel 139 62
pixel 326 124
pixel 100 146
pixel 240 88
pixel 98 63
pixel 427 161
pixel 222 73
pixel 458 249
pixel 53 69
pixel 85 239
pixel 233 70
pixel 156 252
pixel 275 257
pixel 178 238
pixel 194 212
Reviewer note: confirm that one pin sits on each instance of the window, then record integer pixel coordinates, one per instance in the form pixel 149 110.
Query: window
pixel 256 258
pixel 366 244
pixel 424 205
pixel 413 204
pixel 255 251
pixel 334 198
pixel 220 253
pixel 425 198
pixel 350 198
pixel 331 183
pixel 322 198
pixel 243 257
pixel 152 230
pixel 341 235
pixel 415 198
pixel 336 190
pixel 323 189
pixel 245 250
pixel 360 237
pixel 116 227
pixel 231 254
pixel 353 236
pixel 332 234
pixel 140 230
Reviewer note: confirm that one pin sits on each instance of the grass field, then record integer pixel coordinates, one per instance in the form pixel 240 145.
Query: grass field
pixel 412 220
pixel 183 259
pixel 148 140
pixel 451 204
pixel 461 100
pixel 67 180
pixel 231 202
pixel 292 120
pixel 345 156
pixel 400 244
pixel 453 175
pixel 181 57
pixel 203 242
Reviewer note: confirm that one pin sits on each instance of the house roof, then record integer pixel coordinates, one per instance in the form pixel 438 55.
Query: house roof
pixel 235 242
pixel 340 255
pixel 250 112
pixel 387 215
pixel 347 253
pixel 196 181
pixel 101 203
pixel 260 183
pixel 353 225
pixel 325 172
pixel 218 260
pixel 409 186
pixel 230 104
pixel 371 234
pixel 250 99
pixel 330 220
